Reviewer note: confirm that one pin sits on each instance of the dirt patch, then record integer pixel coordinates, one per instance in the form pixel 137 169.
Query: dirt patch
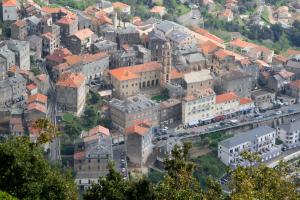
pixel 196 152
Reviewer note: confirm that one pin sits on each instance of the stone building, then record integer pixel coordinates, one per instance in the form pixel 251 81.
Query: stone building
pixel 81 41
pixel 197 80
pixel 50 43
pixel 235 81
pixel 128 36
pixel 139 143
pixel 68 26
pixel 170 112
pixel 19 30
pixel 21 50
pixel 104 46
pixel 7 58
pixel 289 133
pixel 36 46
pixel 9 10
pixel 124 113
pixel 93 151
pixel 71 93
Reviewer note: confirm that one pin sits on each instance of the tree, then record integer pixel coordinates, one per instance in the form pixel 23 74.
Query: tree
pixel 114 187
pixel 179 183
pixel 94 98
pixel 6 196
pixel 90 117
pixel 261 182
pixel 47 130
pixel 26 174
pixel 72 130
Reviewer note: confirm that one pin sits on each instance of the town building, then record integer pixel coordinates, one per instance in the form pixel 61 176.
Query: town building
pixel 263 99
pixel 227 104
pixel 235 81
pixel 7 58
pixel 293 89
pixel 57 57
pixel 197 80
pixel 16 127
pixel 9 10
pixel 104 46
pixel 170 112
pixel 93 151
pixel 13 90
pixel 129 36
pixel 139 143
pixel 19 30
pixel 122 7
pixel 124 113
pixel 81 41
pixel 50 43
pixel 90 65
pixel 260 140
pixel 71 93
pixel 21 50
pixel 36 46
pixel 198 107
pixel 33 25
pixel 68 26
pixel 289 134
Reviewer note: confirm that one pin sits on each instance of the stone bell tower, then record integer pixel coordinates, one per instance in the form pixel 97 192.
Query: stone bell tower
pixel 166 64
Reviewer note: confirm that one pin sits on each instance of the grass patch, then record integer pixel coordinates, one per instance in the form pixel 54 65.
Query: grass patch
pixel 182 9
pixel 265 15
pixel 156 176
pixel 68 117
pixel 159 98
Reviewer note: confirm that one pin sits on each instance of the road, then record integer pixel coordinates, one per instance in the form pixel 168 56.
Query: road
pixel 191 18
pixel 119 157
pixel 54 154
pixel 214 127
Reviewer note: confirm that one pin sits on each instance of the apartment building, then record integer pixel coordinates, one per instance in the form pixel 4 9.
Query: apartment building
pixel 81 41
pixel 50 43
pixel 93 151
pixel 227 104
pixel 21 50
pixel 197 80
pixel 19 30
pixel 170 111
pixel 139 143
pixel 198 107
pixel 289 133
pixel 71 93
pixel 9 10
pixel 124 113
pixel 260 140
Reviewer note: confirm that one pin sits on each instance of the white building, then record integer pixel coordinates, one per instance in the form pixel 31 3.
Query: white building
pixel 260 140
pixel 9 10
pixel 227 104
pixel 289 133
pixel 200 106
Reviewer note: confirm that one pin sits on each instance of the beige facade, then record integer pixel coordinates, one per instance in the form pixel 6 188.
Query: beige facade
pixel 197 80
pixel 198 106
pixel 227 103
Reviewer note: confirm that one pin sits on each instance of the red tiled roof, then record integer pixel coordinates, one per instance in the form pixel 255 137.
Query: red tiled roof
pixel 50 10
pixel 226 97
pixel 79 155
pixel 99 129
pixel 245 101
pixel 286 74
pixel 59 55
pixel 209 47
pixel 280 58
pixel 20 23
pixel 84 33
pixel 119 5
pixel 158 9
pixel 31 86
pixel 132 72
pixel 38 98
pixel 175 74
pixel 140 128
pixel 9 3
pixel 73 80
pixel 205 33
pixel 241 44
pixel 37 106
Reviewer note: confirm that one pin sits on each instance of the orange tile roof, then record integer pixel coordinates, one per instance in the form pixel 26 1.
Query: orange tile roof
pixel 296 84
pixel 84 33
pixel 292 52
pixel 13 68
pixel 31 86
pixel 286 74
pixel 175 74
pixel 241 43
pixel 103 18
pixel 99 129
pixel 68 19
pixel 73 59
pixel 280 58
pixel 205 33
pixel 222 53
pixel 119 5
pixel 140 128
pixel 9 3
pixel 38 98
pixel 132 72
pixel 37 106
pixel 199 94
pixel 50 10
pixel 244 101
pixel 20 23
pixel 93 57
pixel 158 9
pixel 226 97
pixel 73 80
pixel 227 13
pixel 48 35
pixel 209 47
pixel 59 54
pixel 42 77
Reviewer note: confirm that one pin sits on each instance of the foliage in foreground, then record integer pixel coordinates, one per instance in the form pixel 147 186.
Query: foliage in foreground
pixel 26 174
pixel 256 182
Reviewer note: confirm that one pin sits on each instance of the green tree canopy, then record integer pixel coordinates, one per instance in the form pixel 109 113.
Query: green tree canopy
pixel 26 174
